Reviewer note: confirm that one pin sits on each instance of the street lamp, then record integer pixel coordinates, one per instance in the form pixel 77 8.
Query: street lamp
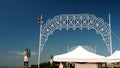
pixel 40 22
pixel 26 57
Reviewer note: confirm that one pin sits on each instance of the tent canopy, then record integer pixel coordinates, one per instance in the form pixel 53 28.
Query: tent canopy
pixel 115 57
pixel 79 55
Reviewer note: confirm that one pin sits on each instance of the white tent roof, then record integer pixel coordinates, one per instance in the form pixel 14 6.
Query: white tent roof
pixel 115 57
pixel 79 55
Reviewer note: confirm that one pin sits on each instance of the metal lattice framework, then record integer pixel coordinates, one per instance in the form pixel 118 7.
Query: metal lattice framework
pixel 90 49
pixel 74 21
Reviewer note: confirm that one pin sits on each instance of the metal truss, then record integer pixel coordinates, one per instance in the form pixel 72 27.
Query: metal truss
pixel 88 48
pixel 74 21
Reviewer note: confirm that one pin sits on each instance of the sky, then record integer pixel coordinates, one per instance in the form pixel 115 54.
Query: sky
pixel 19 28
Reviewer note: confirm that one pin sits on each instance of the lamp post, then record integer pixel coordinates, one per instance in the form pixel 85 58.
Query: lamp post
pixel 26 57
pixel 40 22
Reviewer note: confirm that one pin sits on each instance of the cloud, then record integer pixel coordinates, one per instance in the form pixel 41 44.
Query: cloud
pixel 22 53
pixel 33 53
pixel 11 51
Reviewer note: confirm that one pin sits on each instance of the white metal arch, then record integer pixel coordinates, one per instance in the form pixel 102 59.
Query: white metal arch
pixel 88 21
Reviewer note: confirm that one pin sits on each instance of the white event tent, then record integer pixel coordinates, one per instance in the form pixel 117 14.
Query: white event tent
pixel 114 58
pixel 79 55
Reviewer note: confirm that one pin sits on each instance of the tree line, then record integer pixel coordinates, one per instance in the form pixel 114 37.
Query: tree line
pixel 46 65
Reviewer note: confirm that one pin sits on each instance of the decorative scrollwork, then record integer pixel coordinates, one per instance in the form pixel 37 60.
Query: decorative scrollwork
pixel 74 21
